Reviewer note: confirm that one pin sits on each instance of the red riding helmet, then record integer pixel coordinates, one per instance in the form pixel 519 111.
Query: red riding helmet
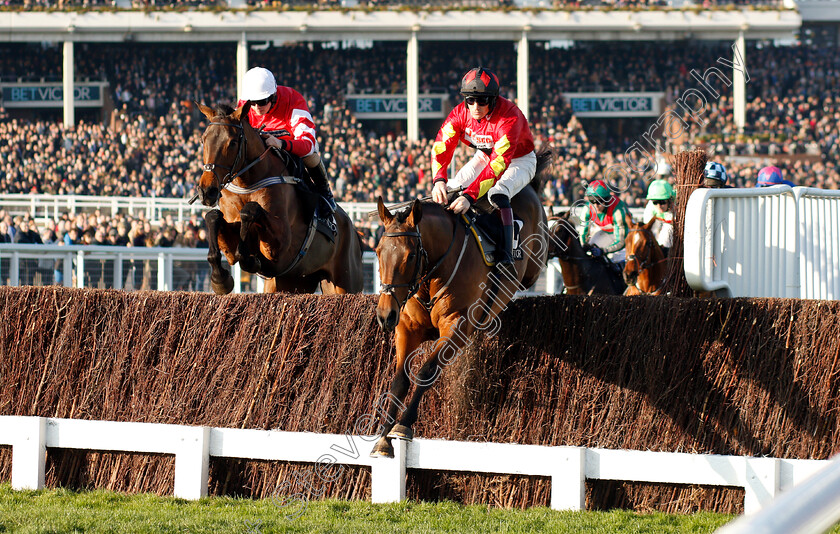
pixel 480 82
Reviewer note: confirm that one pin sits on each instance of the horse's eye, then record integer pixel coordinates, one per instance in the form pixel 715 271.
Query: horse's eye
pixel 412 255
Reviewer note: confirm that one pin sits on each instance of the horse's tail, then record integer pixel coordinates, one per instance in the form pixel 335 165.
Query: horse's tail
pixel 544 157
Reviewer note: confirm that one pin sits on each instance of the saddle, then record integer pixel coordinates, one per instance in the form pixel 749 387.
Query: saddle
pixel 312 209
pixel 486 228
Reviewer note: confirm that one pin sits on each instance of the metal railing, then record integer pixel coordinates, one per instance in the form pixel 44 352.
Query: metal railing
pixel 162 269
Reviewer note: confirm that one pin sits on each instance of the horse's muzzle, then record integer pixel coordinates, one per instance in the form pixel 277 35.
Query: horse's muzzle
pixel 630 278
pixel 210 196
pixel 387 318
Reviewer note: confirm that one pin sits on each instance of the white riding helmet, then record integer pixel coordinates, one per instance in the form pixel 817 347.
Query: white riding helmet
pixel 258 84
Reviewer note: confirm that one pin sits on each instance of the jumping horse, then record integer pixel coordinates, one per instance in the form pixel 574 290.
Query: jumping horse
pixel 437 286
pixel 582 274
pixel 645 269
pixel 264 218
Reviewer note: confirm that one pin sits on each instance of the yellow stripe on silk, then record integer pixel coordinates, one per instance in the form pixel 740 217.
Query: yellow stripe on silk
pixel 485 186
pixel 498 166
pixel 448 131
pixel 439 147
pixel 502 145
pixel 435 167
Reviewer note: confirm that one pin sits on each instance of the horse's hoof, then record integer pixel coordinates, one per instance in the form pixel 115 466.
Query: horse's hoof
pixel 401 432
pixel 222 288
pixel 382 449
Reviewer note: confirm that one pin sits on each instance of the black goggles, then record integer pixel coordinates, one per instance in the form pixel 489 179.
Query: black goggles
pixel 480 100
pixel 661 202
pixel 262 102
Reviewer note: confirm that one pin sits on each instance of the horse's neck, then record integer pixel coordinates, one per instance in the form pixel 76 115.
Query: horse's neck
pixel 270 165
pixel 436 221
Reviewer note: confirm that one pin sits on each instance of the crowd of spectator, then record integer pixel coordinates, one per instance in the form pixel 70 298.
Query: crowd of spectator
pixel 151 144
pixel 382 4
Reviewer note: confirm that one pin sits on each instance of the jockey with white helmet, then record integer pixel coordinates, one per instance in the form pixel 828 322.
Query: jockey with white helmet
pixel 287 124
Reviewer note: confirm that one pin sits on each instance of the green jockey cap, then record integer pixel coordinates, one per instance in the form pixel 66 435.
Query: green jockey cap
pixel 598 189
pixel 660 190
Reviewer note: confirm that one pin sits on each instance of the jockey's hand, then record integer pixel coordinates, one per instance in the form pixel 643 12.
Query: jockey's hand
pixel 595 251
pixel 460 205
pixel 272 141
pixel 439 193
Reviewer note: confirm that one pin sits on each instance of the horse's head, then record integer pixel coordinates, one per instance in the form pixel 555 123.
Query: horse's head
pixel 225 149
pixel 401 261
pixel 563 239
pixel 639 249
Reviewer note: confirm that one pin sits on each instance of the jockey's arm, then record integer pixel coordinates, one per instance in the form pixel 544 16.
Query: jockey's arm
pixel 619 229
pixel 584 225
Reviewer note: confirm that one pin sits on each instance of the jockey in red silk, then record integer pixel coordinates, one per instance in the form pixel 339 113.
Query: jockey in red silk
pixel 504 161
pixel 287 124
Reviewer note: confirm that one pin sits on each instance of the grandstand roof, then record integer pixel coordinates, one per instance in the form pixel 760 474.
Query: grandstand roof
pixel 395 25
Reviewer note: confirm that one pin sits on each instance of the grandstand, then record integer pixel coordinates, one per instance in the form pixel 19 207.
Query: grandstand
pixel 134 133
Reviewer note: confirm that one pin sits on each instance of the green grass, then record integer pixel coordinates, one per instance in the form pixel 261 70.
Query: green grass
pixel 60 511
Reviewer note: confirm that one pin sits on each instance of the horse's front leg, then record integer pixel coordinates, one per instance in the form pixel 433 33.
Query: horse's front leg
pixel 221 239
pixel 454 336
pixel 409 335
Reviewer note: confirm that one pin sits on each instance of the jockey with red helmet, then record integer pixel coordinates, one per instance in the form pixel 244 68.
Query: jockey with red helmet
pixel 287 124
pixel 504 161
pixel 611 217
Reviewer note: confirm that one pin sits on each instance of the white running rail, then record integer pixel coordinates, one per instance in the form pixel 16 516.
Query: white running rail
pixel 768 242
pixel 568 467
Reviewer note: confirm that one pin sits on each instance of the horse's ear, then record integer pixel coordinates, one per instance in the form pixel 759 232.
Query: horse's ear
pixel 242 111
pixel 649 225
pixel 416 213
pixel 384 215
pixel 206 110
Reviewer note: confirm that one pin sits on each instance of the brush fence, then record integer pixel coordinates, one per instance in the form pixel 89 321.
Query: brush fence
pixel 568 467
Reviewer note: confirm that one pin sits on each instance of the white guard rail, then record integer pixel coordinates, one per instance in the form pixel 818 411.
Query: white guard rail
pixel 568 467
pixel 767 242
pixel 162 269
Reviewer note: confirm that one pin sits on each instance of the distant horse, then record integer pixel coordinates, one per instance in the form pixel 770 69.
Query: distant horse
pixel 582 274
pixel 645 269
pixel 437 286
pixel 265 221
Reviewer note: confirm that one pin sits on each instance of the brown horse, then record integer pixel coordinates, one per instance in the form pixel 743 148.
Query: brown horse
pixel 436 286
pixel 645 269
pixel 582 274
pixel 263 220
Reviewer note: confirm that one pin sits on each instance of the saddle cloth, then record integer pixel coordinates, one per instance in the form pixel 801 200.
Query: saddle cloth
pixel 324 222
pixel 486 229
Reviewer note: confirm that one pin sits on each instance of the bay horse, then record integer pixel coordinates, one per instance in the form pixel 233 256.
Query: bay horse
pixel 263 218
pixel 437 286
pixel 645 269
pixel 582 274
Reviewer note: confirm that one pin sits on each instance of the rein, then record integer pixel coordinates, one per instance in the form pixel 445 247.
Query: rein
pixel 417 278
pixel 240 156
pixel 646 265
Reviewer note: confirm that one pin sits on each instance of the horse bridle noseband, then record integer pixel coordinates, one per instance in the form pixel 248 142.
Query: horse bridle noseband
pixel 417 278
pixel 646 264
pixel 240 157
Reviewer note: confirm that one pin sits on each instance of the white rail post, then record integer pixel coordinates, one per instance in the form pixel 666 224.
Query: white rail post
pixel 387 476
pixel 80 269
pixel 29 452
pixel 14 269
pixel 568 483
pixel 761 482
pixel 192 463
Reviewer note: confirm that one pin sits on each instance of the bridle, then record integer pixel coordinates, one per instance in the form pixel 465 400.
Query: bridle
pixel 421 257
pixel 240 157
pixel 647 263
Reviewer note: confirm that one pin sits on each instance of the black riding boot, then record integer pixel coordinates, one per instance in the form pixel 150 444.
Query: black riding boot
pixel 322 185
pixel 505 258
